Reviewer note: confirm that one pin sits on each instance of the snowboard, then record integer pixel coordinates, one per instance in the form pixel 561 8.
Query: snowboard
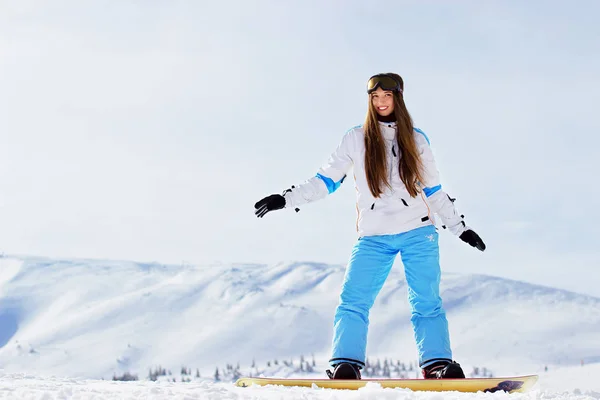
pixel 516 384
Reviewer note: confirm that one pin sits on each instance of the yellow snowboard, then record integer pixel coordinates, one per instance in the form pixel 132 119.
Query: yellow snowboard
pixel 515 384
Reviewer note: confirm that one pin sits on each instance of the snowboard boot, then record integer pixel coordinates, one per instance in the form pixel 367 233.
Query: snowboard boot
pixel 443 370
pixel 344 371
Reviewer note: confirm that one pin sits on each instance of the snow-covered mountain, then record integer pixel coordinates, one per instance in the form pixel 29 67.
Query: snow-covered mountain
pixel 94 319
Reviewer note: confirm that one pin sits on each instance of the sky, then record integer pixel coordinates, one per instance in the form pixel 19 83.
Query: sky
pixel 147 130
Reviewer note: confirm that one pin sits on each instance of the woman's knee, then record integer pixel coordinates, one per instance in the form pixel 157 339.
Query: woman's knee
pixel 427 308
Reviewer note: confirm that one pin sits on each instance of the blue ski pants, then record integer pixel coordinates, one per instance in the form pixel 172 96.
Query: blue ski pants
pixel 370 263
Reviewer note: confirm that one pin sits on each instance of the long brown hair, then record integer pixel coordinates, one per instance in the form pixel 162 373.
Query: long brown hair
pixel 410 167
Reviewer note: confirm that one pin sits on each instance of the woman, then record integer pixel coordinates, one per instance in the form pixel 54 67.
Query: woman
pixel 398 192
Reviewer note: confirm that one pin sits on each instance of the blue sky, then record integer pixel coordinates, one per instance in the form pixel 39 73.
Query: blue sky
pixel 147 130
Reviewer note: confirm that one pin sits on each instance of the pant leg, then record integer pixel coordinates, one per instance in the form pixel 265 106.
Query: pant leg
pixel 370 264
pixel 420 256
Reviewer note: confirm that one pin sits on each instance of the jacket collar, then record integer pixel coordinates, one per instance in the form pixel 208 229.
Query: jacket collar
pixel 388 130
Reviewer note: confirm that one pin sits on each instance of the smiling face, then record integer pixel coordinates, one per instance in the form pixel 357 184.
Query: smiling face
pixel 383 101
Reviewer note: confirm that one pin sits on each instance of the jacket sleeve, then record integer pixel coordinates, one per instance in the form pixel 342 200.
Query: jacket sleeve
pixel 438 201
pixel 328 178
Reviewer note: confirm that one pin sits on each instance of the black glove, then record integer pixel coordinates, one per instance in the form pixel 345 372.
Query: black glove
pixel 473 239
pixel 269 203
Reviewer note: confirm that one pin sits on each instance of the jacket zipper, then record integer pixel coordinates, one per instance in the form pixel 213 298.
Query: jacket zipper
pixel 392 167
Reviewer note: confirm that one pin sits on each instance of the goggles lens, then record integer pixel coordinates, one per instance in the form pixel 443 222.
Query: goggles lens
pixel 383 81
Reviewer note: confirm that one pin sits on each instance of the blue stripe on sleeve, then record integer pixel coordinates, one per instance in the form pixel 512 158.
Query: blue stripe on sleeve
pixel 429 191
pixel 354 127
pixel 331 185
pixel 423 133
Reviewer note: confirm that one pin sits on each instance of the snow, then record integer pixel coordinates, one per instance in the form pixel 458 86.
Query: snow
pixel 68 326
pixel 22 386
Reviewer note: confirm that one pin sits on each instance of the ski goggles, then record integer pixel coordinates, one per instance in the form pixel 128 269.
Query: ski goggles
pixel 383 81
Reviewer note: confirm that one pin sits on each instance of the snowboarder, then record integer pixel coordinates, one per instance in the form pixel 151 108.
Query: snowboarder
pixel 398 195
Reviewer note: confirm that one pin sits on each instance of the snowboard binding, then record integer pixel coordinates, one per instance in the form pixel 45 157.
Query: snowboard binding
pixel 443 370
pixel 344 371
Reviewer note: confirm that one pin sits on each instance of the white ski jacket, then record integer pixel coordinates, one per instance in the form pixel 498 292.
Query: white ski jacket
pixel 395 211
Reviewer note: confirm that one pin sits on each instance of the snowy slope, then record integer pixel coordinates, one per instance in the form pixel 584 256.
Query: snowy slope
pixel 575 383
pixel 93 319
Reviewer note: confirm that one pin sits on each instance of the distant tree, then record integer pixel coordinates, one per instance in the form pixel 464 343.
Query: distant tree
pixel 125 377
pixel 268 363
pixel 154 374
pixel 276 362
pixel 253 363
pixel 197 373
pixel 217 377
pixel 386 370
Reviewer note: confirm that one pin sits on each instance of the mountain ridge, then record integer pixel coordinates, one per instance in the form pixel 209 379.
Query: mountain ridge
pixel 103 317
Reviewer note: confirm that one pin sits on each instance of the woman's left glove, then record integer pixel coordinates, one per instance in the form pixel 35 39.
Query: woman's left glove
pixel 469 236
pixel 269 203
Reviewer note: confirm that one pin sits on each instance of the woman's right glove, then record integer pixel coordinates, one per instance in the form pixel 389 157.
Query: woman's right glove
pixel 269 203
pixel 469 236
